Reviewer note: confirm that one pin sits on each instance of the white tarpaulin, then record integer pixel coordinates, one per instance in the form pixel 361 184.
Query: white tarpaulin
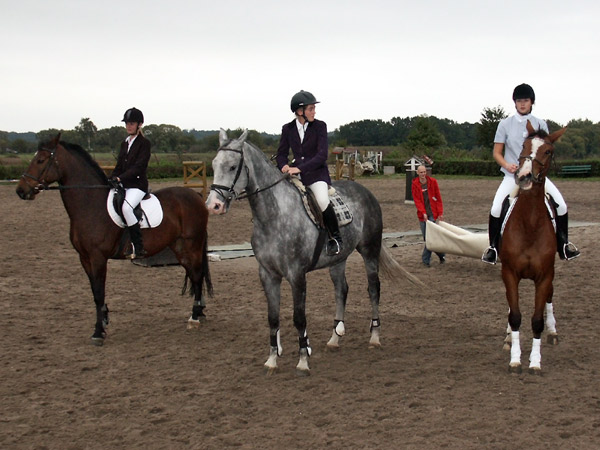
pixel 443 237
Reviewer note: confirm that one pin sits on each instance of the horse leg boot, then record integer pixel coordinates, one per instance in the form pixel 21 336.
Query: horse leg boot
pixel 566 250
pixel 490 255
pixel 334 244
pixel 135 233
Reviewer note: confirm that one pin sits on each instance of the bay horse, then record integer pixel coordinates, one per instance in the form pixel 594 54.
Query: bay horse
pixel 528 248
pixel 84 190
pixel 287 244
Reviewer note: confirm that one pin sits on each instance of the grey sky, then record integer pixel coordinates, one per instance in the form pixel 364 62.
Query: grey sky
pixel 205 65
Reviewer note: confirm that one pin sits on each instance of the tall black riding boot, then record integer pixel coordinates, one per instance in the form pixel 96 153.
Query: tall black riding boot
pixel 135 233
pixel 490 255
pixel 566 250
pixel 334 244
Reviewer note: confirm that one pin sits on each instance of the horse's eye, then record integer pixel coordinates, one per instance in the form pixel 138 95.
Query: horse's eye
pixel 39 161
pixel 232 168
pixel 548 152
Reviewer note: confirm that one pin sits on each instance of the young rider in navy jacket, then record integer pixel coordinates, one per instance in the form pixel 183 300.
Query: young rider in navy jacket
pixel 307 137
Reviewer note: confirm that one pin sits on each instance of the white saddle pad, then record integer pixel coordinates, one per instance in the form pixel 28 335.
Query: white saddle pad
pixel 153 213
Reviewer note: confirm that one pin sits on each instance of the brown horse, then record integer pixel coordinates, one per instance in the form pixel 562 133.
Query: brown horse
pixel 84 190
pixel 529 246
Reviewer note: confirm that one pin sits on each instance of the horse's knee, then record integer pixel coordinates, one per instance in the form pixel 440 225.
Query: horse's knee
pixel 514 320
pixel 537 325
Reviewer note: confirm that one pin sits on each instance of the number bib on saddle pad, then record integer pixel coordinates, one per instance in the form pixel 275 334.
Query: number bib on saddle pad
pixel 344 216
pixel 152 211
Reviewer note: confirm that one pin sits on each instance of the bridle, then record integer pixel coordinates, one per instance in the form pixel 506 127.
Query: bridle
pixel 540 177
pixel 227 193
pixel 42 184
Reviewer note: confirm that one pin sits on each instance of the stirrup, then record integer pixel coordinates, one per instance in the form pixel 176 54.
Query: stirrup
pixel 333 247
pixel 490 256
pixel 569 254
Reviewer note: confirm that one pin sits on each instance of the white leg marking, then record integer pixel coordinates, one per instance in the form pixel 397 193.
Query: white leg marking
pixel 550 320
pixel 515 349
pixel 535 359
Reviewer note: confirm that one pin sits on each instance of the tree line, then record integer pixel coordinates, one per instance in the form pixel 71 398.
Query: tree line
pixel 420 135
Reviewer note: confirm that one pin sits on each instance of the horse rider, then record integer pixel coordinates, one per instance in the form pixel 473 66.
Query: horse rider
pixel 510 135
pixel 131 172
pixel 307 137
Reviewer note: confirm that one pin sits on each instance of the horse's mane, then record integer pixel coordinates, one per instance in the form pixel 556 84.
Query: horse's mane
pixel 85 156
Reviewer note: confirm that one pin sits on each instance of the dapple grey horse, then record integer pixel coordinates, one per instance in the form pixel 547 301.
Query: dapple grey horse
pixel 287 244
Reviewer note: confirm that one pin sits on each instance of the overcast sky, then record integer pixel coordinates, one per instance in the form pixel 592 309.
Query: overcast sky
pixel 222 63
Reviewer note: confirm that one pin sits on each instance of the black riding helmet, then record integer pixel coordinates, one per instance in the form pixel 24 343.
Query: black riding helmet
pixel 133 115
pixel 523 91
pixel 302 98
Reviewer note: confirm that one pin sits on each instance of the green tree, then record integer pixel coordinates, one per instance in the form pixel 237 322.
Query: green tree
pixel 86 131
pixel 424 136
pixel 486 129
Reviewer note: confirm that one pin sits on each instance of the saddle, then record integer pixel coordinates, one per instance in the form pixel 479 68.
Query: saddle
pixel 149 212
pixel 344 216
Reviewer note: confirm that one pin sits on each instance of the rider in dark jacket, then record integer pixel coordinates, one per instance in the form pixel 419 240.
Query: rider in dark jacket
pixel 130 171
pixel 307 137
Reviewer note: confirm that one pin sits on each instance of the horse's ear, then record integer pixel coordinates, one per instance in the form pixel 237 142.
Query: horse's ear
pixel 243 136
pixel 222 137
pixel 54 142
pixel 557 134
pixel 530 129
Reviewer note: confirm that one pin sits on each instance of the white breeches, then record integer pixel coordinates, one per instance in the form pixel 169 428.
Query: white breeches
pixel 507 186
pixel 321 191
pixel 133 197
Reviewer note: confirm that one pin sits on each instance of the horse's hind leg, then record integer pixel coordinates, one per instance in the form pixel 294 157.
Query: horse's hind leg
pixel 197 270
pixel 552 334
pixel 299 295
pixel 374 288
pixel 338 276
pixel 272 287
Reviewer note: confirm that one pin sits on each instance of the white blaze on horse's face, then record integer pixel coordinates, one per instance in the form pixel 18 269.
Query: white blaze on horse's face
pixel 526 168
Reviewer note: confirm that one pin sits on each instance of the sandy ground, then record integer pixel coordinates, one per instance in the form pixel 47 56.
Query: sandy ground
pixel 440 380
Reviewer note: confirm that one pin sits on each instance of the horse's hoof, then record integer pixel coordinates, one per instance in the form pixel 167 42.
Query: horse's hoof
pixel 506 347
pixel 98 341
pixel 535 371
pixel 552 339
pixel 271 370
pixel 193 324
pixel 333 348
pixel 302 372
pixel 374 345
pixel 514 368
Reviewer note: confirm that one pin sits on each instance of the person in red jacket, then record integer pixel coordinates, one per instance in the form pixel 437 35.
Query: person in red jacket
pixel 428 200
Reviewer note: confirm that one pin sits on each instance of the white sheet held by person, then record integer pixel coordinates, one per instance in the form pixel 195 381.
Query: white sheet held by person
pixel 446 238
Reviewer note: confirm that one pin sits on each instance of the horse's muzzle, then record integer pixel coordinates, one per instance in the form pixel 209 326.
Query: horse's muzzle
pixel 27 194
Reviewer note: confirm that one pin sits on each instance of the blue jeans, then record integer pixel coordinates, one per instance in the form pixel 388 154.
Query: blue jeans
pixel 426 256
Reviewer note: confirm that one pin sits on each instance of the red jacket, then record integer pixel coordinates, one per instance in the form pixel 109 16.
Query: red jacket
pixel 435 198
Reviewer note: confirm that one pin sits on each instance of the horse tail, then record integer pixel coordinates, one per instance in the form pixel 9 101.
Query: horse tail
pixel 205 280
pixel 392 270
